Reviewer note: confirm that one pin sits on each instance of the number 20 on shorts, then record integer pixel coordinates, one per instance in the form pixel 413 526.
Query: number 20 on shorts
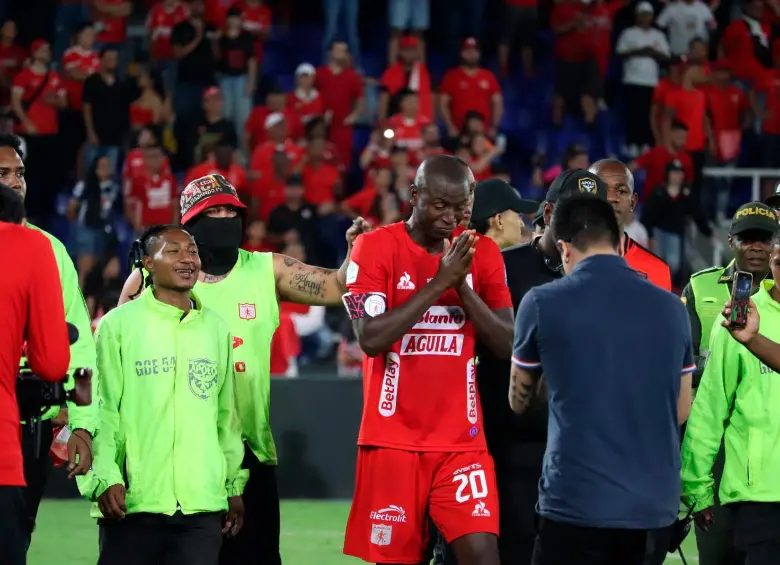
pixel 476 483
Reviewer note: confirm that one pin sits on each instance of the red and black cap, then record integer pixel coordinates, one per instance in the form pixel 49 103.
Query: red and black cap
pixel 205 192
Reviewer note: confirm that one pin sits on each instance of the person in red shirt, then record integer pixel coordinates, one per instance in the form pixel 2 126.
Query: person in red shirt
pixel 688 105
pixel 407 73
pixel 321 180
pixel 78 62
pixel 620 193
pixel 519 24
pixel 305 101
pixel 468 88
pixel 418 303
pixel 576 72
pixel 32 309
pixel 153 193
pixel 112 17
pixel 407 125
pixel 655 160
pixel 377 202
pixel 220 161
pixel 160 21
pixel 256 238
pixel 254 129
pixel 317 128
pixel 134 161
pixel 601 15
pixel 256 19
pixel 746 44
pixel 342 97
pixel 12 57
pixel 666 86
pixel 36 96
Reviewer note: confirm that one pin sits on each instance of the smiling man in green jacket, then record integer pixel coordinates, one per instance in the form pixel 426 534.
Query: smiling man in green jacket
pixel 738 400
pixel 168 455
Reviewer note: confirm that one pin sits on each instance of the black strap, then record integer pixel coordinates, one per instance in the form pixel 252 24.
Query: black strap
pixel 37 94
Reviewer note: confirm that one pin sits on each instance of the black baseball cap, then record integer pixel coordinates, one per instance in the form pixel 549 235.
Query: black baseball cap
pixel 576 181
pixel 494 196
pixel 774 200
pixel 754 216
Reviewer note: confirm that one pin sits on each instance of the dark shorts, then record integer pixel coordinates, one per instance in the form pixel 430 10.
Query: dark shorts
pixel 573 80
pixel 520 23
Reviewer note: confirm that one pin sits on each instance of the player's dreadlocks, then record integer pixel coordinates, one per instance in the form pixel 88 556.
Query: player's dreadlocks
pixel 140 249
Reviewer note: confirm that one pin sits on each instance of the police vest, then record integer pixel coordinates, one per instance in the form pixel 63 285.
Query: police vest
pixel 710 296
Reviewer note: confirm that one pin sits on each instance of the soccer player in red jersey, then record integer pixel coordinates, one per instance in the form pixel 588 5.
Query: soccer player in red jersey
pixel 418 303
pixel 620 193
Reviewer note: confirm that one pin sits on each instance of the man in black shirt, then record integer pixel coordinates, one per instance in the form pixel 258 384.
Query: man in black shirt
pixel 106 109
pixel 194 48
pixel 213 128
pixel 296 220
pixel 517 443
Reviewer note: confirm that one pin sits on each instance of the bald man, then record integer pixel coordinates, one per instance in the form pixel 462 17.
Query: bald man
pixel 417 304
pixel 620 193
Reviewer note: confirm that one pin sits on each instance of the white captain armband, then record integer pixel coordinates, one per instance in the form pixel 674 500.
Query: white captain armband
pixel 367 304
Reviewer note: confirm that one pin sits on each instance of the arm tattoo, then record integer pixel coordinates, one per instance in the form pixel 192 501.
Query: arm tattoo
pixel 311 283
pixel 307 283
pixel 213 278
pixel 521 391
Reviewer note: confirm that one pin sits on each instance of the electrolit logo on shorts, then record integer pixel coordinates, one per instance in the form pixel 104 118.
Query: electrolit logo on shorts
pixel 441 318
pixel 392 513
pixel 471 392
pixel 432 344
pixel 388 397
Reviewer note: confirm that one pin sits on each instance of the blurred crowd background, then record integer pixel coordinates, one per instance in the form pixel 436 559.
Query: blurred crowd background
pixel 320 110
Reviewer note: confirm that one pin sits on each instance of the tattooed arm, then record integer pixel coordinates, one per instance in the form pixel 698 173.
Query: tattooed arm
pixel 305 284
pixel 525 377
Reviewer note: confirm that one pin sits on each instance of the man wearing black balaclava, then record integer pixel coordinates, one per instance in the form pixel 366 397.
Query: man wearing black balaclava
pixel 245 289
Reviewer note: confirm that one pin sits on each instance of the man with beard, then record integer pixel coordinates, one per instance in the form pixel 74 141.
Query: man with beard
pixel 620 187
pixel 245 289
pixel 750 238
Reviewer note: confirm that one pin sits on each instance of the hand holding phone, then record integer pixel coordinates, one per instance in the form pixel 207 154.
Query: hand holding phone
pixel 740 299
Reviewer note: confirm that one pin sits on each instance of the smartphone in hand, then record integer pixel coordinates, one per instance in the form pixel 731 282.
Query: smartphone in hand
pixel 740 298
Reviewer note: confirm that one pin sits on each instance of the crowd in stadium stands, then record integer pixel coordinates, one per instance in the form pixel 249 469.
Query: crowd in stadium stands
pixel 119 121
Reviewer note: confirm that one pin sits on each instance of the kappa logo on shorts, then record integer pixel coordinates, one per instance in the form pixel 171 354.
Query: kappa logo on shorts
pixel 381 534
pixel 480 510
pixel 392 513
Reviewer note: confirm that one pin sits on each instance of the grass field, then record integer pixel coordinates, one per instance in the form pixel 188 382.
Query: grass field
pixel 312 533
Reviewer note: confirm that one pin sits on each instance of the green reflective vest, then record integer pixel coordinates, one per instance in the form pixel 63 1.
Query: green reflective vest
pixel 710 296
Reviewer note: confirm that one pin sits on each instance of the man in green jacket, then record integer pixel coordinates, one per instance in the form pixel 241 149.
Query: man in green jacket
pixel 81 419
pixel 737 403
pixel 168 454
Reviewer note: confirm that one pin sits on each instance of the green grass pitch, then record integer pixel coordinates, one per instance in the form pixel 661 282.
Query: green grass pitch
pixel 312 532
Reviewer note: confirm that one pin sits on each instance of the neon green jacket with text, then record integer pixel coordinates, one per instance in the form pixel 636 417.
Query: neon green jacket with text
pixel 738 400
pixel 168 424
pixel 82 353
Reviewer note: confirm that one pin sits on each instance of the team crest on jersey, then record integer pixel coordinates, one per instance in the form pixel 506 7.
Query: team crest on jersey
pixel 587 185
pixel 202 377
pixel 247 311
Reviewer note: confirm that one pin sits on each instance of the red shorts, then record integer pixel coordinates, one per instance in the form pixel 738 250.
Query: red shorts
pixel 396 491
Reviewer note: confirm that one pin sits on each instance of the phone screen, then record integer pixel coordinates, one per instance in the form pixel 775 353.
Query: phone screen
pixel 740 298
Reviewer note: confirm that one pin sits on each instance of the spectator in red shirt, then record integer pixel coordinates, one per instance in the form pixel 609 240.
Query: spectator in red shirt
pixel 407 125
pixel 768 111
pixel 220 161
pixel 470 87
pixel 134 161
pixel 112 16
pixel 70 15
pixel 689 106
pixel 665 86
pixel 728 111
pixel 746 44
pixel 160 22
pixel 32 310
pixel 256 238
pixel 317 128
pixel 321 180
pixel 150 107
pixel 405 15
pixel 407 73
pixel 431 143
pixel 520 21
pixel 153 193
pixel 256 19
pixel 654 161
pixel 577 75
pixel 254 129
pixel 342 97
pixel 12 57
pixel 36 97
pixel 377 203
pixel 305 101
pixel 698 54
pixel 601 14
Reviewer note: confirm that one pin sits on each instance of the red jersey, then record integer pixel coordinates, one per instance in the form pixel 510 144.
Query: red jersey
pixel 255 125
pixel 576 45
pixel 81 60
pixel 470 91
pixel 654 163
pixel 422 394
pixel 255 19
pixel 319 182
pixel 134 165
pixel 114 28
pixel 340 92
pixel 12 58
pixel 725 108
pixel 408 131
pixel 235 175
pixel 31 308
pixel 647 264
pixel 154 196
pixel 305 107
pixel 690 107
pixel 42 114
pixel 159 24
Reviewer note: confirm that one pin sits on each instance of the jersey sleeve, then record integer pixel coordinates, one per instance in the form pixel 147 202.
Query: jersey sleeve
pixel 367 276
pixel 48 351
pixel 525 353
pixel 447 84
pixel 493 289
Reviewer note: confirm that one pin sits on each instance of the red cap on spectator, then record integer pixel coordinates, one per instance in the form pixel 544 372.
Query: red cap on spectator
pixel 469 43
pixel 211 91
pixel 409 41
pixel 205 192
pixel 37 44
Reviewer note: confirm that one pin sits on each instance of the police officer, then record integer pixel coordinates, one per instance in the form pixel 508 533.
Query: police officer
pixel 750 237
